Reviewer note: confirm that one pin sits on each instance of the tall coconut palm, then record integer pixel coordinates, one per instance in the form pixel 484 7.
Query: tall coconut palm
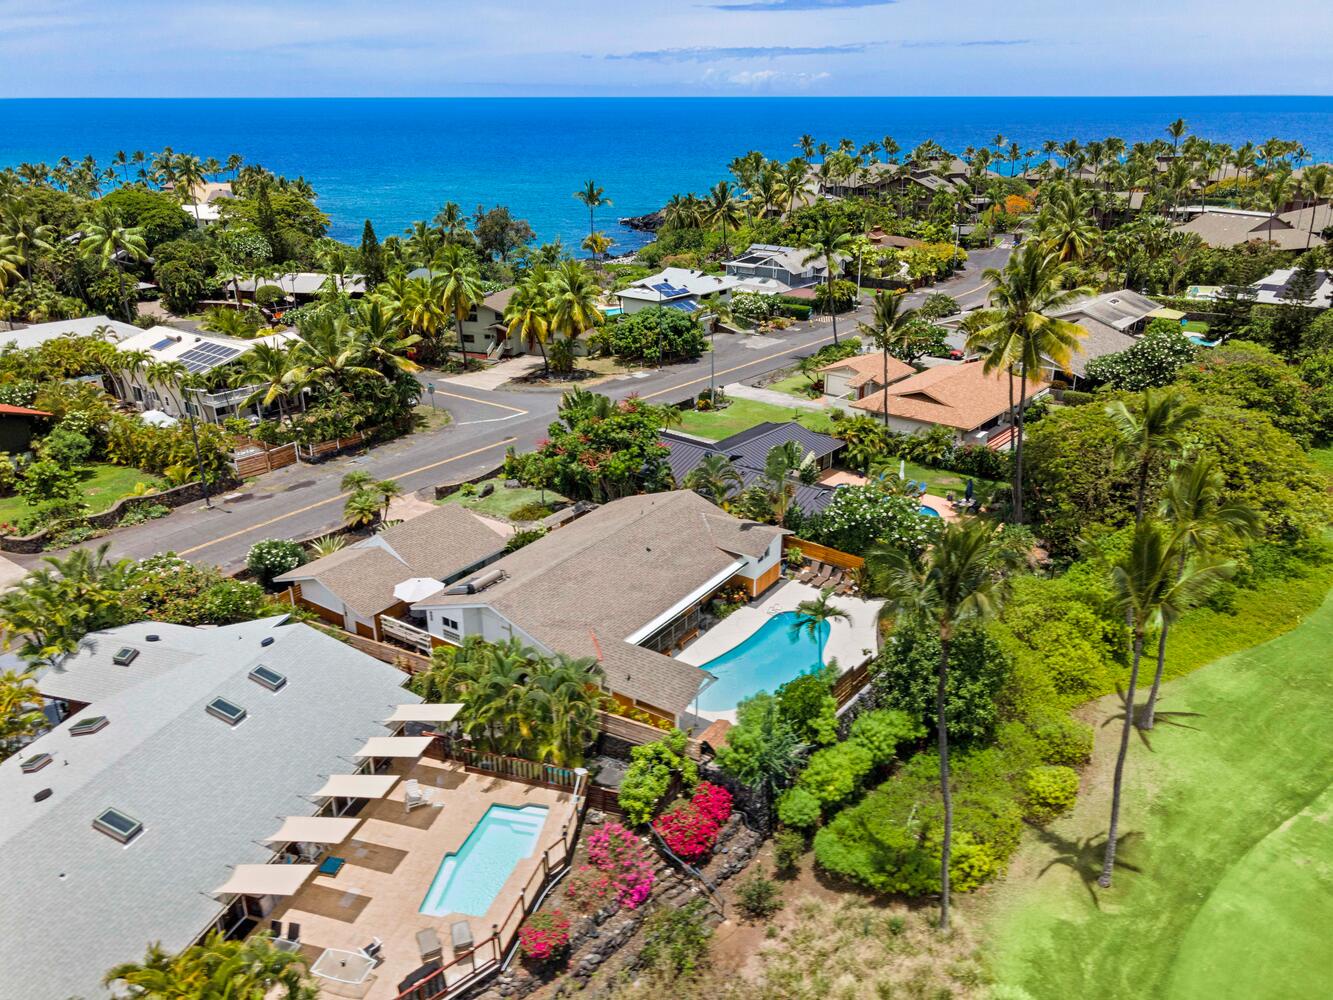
pixel 107 239
pixel 26 237
pixel 722 209
pixel 461 291
pixel 380 332
pixel 813 618
pixel 890 326
pixel 959 580
pixel 266 367
pixel 781 463
pixel 714 478
pixel 573 301
pixel 1152 593
pixel 528 312
pixel 1066 223
pixel 1317 183
pixel 328 350
pixel 594 198
pixel 1018 329
pixel 832 244
pixel 1151 433
pixel 169 377
pixel 189 182
pixel 1201 518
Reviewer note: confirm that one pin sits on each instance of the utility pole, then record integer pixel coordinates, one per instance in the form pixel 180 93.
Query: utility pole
pixel 198 457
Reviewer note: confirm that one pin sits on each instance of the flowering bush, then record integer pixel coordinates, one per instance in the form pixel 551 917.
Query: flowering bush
pixel 859 516
pixel 621 856
pixel 589 889
pixel 1154 360
pixel 713 801
pixel 687 831
pixel 273 557
pixel 545 935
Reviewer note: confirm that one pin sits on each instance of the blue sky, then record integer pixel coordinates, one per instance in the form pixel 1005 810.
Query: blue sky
pixel 82 48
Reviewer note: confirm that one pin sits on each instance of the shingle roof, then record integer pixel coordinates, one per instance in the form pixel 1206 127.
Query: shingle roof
pixel 870 368
pixel 1099 341
pixel 204 791
pixel 584 588
pixel 440 543
pixel 1223 229
pixel 499 301
pixel 84 326
pixel 1301 218
pixel 751 446
pixel 1119 309
pixel 961 396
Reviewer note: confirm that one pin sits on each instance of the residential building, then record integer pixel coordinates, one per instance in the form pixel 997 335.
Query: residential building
pixel 784 266
pixel 971 403
pixel 880 238
pixel 748 452
pixel 485 332
pixel 676 288
pixel 862 374
pixel 1111 322
pixel 1275 290
pixel 18 426
pixel 368 587
pixel 85 326
pixel 1233 227
pixel 624 584
pixel 302 286
pixel 181 751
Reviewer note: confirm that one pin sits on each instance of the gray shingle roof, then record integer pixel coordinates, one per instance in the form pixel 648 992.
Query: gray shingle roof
pixel 78 902
pixel 1119 309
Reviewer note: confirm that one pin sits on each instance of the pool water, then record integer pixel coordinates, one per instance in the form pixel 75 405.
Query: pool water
pixel 468 882
pixel 764 662
pixel 928 511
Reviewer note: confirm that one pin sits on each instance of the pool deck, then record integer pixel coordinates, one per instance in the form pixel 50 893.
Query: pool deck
pixel 851 643
pixel 392 858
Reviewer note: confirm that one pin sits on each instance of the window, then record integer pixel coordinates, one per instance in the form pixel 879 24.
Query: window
pixel 266 677
pixel 449 623
pixel 35 763
pixel 86 727
pixel 225 710
pixel 117 825
pixel 124 656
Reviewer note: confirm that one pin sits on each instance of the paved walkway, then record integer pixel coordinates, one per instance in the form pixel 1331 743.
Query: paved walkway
pixel 498 374
pixel 739 390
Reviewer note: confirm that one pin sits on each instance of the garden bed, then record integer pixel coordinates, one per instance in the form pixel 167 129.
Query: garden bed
pixel 505 501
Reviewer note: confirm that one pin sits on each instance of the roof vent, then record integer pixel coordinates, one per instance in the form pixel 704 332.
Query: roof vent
pixel 35 763
pixel 117 825
pixel 266 641
pixel 124 656
pixel 42 796
pixel 152 638
pixel 225 710
pixel 86 727
pixel 267 677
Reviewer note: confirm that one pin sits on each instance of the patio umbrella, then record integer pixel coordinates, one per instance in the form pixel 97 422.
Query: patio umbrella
pixel 157 418
pixel 968 495
pixel 417 588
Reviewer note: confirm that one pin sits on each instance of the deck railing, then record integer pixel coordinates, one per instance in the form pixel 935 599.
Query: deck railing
pixel 502 766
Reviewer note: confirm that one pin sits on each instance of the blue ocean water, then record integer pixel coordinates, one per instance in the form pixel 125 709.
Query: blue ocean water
pixel 397 160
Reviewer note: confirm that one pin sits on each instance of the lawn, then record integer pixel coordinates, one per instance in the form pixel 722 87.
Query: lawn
pixel 941 481
pixel 1226 813
pixel 743 414
pixel 504 501
pixel 102 485
pixel 1195 326
pixel 792 385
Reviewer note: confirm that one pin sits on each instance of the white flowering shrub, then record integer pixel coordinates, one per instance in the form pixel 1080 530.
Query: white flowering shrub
pixel 274 556
pixel 1151 363
pixel 860 516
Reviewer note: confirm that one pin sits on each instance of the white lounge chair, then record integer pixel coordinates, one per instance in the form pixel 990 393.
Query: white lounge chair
pixel 414 795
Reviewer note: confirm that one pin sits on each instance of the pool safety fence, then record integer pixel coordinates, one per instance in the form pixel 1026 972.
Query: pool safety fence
pixel 528 772
pixel 822 553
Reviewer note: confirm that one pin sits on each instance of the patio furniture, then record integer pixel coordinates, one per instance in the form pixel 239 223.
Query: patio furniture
pixel 372 950
pixel 428 944
pixel 834 581
pixel 331 865
pixel 822 577
pixel 293 931
pixel 351 967
pixel 460 935
pixel 414 795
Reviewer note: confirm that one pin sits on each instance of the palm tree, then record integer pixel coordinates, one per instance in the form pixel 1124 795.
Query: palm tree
pixel 958 580
pixel 565 691
pixel 573 297
pixel 1154 433
pixel 355 481
pixel 387 489
pixel 1151 592
pixel 327 350
pixel 20 716
pixel 461 290
pixel 722 209
pixel 108 240
pixel 1277 189
pixel 266 366
pixel 781 462
pixel 528 312
pixel 168 377
pixel 189 181
pixel 1019 331
pixel 594 197
pixel 1066 223
pixel 1201 519
pixel 714 478
pixel 813 617
pixel 362 508
pixel 216 969
pixel 890 326
pixel 233 164
pixel 25 237
pixel 1318 184
pixel 379 331
pixel 1175 130
pixel 326 545
pixel 831 243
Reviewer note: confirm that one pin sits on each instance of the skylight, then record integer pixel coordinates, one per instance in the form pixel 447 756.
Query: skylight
pixel 268 678
pixel 124 656
pixel 117 825
pixel 86 727
pixel 35 763
pixel 225 710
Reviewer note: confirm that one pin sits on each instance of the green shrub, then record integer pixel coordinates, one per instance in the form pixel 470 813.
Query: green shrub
pixel 66 446
pixel 649 776
pixel 676 941
pixel 835 773
pixel 1050 791
pixel 1076 397
pixel 273 557
pixel 788 848
pixel 656 334
pixel 47 480
pixel 524 537
pixel 534 511
pixel 758 897
pixel 808 706
pixel 142 512
pixel 798 809
pixel 269 295
pixel 1063 740
pixel 883 731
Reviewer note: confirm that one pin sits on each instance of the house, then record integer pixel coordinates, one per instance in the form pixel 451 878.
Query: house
pixel 180 751
pixel 1234 227
pixel 784 266
pixel 1110 322
pixel 1274 289
pixel 1316 219
pixel 302 286
pixel 359 587
pixel 625 584
pixel 748 452
pixel 485 333
pixel 18 426
pixel 880 238
pixel 862 374
pixel 84 326
pixel 676 288
pixel 199 353
pixel 964 398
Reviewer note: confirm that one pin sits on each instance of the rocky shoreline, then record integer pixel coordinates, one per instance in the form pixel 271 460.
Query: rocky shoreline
pixel 649 223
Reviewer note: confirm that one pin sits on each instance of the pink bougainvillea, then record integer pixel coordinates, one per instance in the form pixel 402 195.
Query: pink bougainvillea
pixel 713 801
pixel 623 858
pixel 545 935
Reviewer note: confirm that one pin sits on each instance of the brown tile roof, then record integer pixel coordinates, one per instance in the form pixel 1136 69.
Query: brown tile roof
pixel 1224 229
pixel 499 301
pixel 440 543
pixel 870 368
pixel 586 587
pixel 961 396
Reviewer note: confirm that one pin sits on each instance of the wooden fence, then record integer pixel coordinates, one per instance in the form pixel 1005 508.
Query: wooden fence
pixel 846 687
pixel 528 772
pixel 629 730
pixel 811 550
pixel 256 458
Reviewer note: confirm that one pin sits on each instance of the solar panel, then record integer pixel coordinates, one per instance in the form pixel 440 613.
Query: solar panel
pixel 162 344
pixel 206 356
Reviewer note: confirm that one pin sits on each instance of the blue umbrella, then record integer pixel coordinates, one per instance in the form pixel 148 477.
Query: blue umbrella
pixel 968 495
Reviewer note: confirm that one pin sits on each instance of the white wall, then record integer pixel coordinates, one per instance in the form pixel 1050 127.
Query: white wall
pixel 835 383
pixel 755 568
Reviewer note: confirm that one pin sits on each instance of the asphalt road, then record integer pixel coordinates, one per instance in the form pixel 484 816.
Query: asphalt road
pixel 303 500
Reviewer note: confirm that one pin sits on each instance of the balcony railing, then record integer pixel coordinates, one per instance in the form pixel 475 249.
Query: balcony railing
pixel 408 635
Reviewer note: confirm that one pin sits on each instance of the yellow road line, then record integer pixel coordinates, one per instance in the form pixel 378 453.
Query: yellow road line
pixel 340 496
pixel 483 402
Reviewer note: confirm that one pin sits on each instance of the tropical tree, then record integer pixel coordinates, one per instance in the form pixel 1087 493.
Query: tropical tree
pixel 386 490
pixel 327 350
pixel 597 244
pixel 890 326
pixel 1019 331
pixel 714 478
pixel 830 242
pixel 722 209
pixel 573 301
pixel 780 464
pixel 528 312
pixel 959 580
pixel 20 714
pixel 1151 593
pixel 814 616
pixel 217 969
pixel 107 239
pixel 1316 181
pixel 362 508
pixel 266 367
pixel 460 290
pixel 1151 433
pixel 379 330
pixel 1066 223
pixel 594 198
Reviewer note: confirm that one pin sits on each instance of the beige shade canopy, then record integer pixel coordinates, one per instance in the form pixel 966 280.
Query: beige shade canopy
pixel 395 746
pixel 265 880
pixel 314 830
pixel 357 786
pixel 423 712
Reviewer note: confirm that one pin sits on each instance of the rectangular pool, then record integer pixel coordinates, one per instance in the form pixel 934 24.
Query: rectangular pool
pixel 769 658
pixel 468 882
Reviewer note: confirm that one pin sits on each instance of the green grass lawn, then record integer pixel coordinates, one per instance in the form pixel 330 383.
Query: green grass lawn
pixel 743 414
pixel 1195 326
pixel 792 385
pixel 1227 813
pixel 102 485
pixel 940 481
pixel 504 501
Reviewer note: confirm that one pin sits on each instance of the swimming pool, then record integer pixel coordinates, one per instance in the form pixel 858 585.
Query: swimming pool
pixel 763 662
pixel 468 882
pixel 928 511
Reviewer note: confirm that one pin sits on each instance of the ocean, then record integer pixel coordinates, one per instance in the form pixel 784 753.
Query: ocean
pixel 398 160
